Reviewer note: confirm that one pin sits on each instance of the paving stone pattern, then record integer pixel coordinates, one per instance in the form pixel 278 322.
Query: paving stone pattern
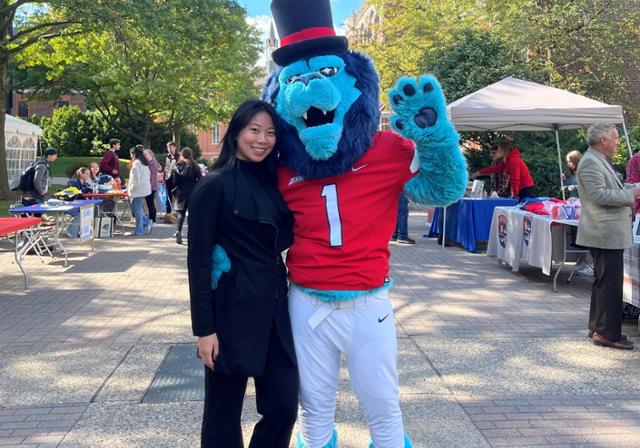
pixel 487 357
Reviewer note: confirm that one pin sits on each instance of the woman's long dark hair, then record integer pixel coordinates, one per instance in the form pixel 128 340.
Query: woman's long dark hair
pixel 138 153
pixel 241 118
pixel 186 156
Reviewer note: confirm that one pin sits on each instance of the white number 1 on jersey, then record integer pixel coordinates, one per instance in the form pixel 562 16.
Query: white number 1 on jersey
pixel 330 194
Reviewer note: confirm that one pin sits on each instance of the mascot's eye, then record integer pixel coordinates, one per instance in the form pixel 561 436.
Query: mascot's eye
pixel 328 71
pixel 293 79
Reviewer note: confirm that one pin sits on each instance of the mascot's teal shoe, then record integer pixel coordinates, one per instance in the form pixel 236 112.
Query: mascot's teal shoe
pixel 407 443
pixel 333 442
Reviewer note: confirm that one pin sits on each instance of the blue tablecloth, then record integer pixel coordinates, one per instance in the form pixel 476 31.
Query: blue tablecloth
pixel 71 207
pixel 468 220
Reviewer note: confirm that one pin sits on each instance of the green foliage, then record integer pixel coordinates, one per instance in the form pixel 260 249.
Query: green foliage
pixel 475 59
pixel 72 131
pixel 182 63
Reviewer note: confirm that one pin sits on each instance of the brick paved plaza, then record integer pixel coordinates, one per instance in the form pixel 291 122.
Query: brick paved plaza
pixel 91 354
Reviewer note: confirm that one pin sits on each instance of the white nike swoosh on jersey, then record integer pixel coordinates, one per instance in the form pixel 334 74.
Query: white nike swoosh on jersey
pixel 354 169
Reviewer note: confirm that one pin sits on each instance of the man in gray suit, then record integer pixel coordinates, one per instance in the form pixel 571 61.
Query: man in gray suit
pixel 605 228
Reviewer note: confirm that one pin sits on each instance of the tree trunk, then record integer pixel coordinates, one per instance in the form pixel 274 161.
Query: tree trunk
pixel 5 193
pixel 177 128
pixel 146 131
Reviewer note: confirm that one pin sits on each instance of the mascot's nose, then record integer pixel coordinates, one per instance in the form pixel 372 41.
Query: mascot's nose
pixel 306 79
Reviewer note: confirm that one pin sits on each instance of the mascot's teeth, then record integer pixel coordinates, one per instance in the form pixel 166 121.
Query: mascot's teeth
pixel 304 115
pixel 324 112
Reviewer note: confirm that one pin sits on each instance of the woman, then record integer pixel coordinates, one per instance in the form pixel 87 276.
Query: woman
pixel 94 172
pixel 154 169
pixel 570 178
pixel 520 180
pixel 81 180
pixel 243 325
pixel 139 189
pixel 185 175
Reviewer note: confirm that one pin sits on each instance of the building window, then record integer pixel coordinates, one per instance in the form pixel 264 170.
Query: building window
pixel 23 109
pixel 215 133
pixel 61 104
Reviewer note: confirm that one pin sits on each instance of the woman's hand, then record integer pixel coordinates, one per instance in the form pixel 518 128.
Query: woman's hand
pixel 208 349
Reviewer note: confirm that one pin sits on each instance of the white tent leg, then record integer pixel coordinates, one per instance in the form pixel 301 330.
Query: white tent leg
pixel 560 163
pixel 626 136
pixel 444 226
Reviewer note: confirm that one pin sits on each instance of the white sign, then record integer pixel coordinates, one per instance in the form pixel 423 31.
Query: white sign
pixel 86 223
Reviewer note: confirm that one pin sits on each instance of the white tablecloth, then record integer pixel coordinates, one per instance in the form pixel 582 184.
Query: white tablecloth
pixel 519 236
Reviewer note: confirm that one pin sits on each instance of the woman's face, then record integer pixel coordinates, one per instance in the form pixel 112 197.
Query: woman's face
pixel 257 139
pixel 94 169
pixel 148 156
pixel 571 165
pixel 84 177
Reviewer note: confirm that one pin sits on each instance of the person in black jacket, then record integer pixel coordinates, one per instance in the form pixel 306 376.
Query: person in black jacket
pixel 185 175
pixel 242 322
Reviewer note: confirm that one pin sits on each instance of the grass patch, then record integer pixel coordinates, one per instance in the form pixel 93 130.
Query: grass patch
pixel 66 166
pixel 4 207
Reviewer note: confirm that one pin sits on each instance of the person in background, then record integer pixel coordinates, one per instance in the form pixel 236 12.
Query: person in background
pixel 42 174
pixel 254 290
pixel 570 177
pixel 139 189
pixel 520 181
pixel 94 172
pixel 185 175
pixel 401 234
pixel 605 228
pixel 81 180
pixel 633 176
pixel 110 164
pixel 154 169
pixel 169 167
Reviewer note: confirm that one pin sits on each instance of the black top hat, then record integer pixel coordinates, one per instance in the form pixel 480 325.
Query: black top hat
pixel 305 28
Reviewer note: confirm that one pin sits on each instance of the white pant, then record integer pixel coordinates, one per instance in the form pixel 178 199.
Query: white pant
pixel 364 331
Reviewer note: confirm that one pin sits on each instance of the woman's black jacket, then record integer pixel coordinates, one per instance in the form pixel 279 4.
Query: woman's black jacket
pixel 243 211
pixel 184 177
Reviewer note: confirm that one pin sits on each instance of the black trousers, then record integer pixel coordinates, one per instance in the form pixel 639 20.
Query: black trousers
pixel 527 192
pixel 605 314
pixel 276 400
pixel 151 205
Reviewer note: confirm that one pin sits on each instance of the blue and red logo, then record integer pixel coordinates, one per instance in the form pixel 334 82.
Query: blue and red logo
pixel 528 221
pixel 502 230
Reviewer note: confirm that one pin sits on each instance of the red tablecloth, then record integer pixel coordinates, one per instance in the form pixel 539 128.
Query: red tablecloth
pixel 10 225
pixel 105 195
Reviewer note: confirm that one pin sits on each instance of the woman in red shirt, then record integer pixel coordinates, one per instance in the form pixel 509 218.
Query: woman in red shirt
pixel 520 180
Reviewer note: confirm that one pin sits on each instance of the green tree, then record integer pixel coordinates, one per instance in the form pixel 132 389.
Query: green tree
pixel 25 23
pixel 72 131
pixel 190 65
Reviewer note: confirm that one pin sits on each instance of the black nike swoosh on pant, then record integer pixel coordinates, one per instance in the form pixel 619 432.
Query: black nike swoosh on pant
pixel 381 319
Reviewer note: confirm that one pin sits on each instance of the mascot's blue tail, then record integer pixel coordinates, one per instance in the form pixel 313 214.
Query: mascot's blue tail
pixel 407 443
pixel 333 442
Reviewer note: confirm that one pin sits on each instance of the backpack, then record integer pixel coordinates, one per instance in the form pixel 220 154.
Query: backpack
pixel 27 176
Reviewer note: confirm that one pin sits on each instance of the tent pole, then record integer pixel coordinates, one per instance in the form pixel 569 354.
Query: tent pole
pixel 626 136
pixel 560 163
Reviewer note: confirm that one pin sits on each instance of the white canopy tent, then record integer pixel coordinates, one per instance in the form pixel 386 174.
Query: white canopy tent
pixel 21 144
pixel 516 105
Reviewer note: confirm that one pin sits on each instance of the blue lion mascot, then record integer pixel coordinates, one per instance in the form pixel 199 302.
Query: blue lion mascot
pixel 342 179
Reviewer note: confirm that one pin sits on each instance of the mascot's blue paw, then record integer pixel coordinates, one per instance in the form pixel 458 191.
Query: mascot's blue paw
pixel 333 442
pixel 421 115
pixel 219 263
pixel 421 110
pixel 407 443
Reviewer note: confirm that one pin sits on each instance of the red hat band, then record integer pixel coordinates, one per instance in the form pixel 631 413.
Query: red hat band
pixel 306 34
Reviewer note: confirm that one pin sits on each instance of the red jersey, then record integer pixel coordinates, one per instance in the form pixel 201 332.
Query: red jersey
pixel 343 223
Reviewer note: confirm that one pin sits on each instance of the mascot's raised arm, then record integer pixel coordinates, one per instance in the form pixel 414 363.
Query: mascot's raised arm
pixel 342 179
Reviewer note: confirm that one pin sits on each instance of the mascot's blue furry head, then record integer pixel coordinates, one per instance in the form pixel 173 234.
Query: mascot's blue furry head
pixel 325 95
